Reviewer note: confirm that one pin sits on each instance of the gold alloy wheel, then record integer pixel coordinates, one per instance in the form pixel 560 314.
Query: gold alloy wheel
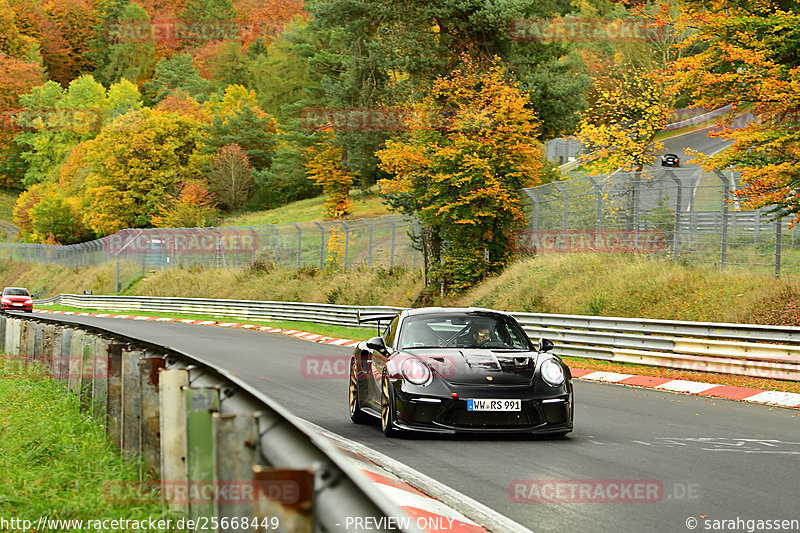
pixel 353 389
pixel 385 412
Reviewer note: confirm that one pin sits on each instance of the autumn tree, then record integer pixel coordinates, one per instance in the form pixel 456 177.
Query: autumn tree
pixel 471 146
pixel 193 207
pixel 749 56
pixel 17 77
pixel 326 168
pixel 231 177
pixel 630 107
pixel 134 164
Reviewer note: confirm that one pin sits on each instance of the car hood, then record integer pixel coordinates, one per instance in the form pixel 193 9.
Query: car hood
pixel 474 366
pixel 16 298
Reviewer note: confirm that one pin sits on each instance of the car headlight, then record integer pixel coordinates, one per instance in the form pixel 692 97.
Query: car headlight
pixel 552 373
pixel 415 371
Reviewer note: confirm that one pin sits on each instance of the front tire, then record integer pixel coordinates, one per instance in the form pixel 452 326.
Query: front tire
pixel 387 409
pixel 356 414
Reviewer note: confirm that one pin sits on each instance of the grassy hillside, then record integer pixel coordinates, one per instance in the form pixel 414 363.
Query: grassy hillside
pixel 590 284
pixel 365 205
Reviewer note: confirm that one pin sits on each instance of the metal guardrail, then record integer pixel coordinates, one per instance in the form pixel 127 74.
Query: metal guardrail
pixel 744 349
pixel 199 428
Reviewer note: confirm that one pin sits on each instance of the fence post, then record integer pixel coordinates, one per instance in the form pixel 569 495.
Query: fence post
pixel 321 245
pixel 255 242
pixel 599 215
pixel 756 225
pixel 394 232
pixel 725 191
pixel 535 200
pixel 565 221
pixel 778 245
pixel 277 239
pixel 369 260
pixel 634 180
pixel 346 241
pixel 676 240
pixel 299 243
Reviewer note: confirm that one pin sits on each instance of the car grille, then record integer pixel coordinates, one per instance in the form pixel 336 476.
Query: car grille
pixel 460 417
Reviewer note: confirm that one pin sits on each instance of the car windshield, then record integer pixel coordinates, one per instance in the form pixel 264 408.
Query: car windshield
pixel 463 330
pixel 15 292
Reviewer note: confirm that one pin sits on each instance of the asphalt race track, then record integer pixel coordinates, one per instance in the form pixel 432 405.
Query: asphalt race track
pixel 713 459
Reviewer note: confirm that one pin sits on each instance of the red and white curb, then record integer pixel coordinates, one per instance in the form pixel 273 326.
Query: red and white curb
pixel 728 392
pixel 430 505
pixel 313 337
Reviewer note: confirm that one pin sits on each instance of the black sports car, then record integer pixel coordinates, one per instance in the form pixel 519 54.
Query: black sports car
pixel 449 370
pixel 670 160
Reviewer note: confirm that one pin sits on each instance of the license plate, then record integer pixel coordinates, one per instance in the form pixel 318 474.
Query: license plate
pixel 493 405
pixel 18 305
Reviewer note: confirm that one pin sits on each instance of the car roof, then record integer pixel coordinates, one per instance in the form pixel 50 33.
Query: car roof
pixel 451 310
pixel 673 155
pixel 17 288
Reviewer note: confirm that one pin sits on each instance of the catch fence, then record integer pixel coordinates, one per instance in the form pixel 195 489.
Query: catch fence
pixel 681 214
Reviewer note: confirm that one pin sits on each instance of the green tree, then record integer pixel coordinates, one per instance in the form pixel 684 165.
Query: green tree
pixel 177 72
pixel 128 56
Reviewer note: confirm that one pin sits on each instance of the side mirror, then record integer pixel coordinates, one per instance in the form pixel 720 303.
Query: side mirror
pixel 545 345
pixel 377 344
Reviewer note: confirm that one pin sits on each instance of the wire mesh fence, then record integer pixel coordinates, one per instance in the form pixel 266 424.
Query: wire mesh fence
pixel 383 241
pixel 678 213
pixel 682 214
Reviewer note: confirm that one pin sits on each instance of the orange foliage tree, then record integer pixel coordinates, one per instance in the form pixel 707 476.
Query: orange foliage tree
pixel 192 208
pixel 471 146
pixel 749 55
pixel 325 167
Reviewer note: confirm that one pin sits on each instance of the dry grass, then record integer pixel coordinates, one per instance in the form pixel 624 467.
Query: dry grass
pixel 8 197
pixel 46 280
pixel 364 206
pixel 634 286
pixel 380 286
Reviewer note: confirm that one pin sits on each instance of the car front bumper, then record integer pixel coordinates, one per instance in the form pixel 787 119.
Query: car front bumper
pixel 444 414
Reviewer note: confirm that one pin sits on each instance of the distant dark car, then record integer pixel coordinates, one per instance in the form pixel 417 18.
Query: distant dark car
pixel 16 299
pixel 458 370
pixel 670 160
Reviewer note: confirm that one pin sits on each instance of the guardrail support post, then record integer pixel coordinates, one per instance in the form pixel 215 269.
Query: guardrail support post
pixel 235 451
pixel 114 420
pixel 48 336
pixel 61 365
pixel 87 370
pixel 150 433
pixel 75 364
pixel 172 404
pixel 100 380
pixel 201 403
pixel 38 341
pixel 131 402
pixel 285 496
pixel 3 326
